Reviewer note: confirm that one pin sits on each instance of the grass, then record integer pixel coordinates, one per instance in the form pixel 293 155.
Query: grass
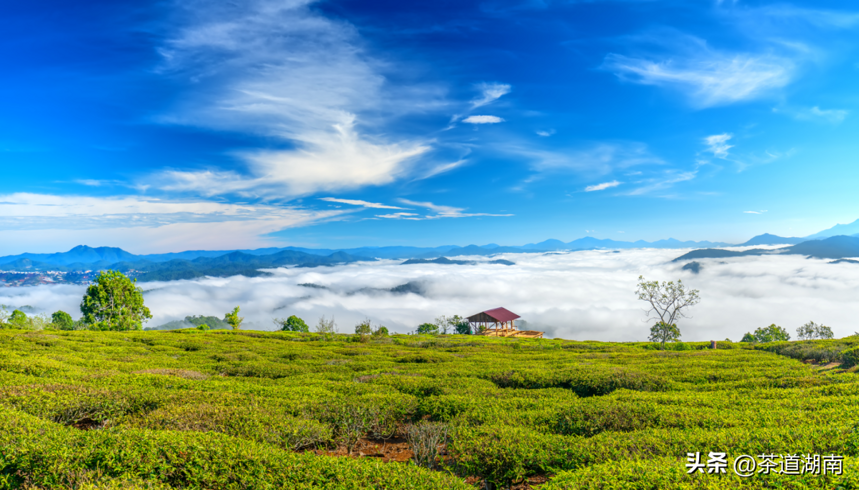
pixel 231 410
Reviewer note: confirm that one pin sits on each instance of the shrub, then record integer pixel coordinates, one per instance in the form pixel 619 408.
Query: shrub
pixel 291 324
pixel 425 438
pixel 850 357
pixel 427 328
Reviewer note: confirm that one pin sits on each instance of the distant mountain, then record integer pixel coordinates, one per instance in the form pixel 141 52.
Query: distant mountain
pixel 837 247
pixel 767 239
pixel 79 254
pixel 848 229
pixel 447 261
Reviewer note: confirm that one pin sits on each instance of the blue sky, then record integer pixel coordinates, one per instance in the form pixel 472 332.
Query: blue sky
pixel 166 126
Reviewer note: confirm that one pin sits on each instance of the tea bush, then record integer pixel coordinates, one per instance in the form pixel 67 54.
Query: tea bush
pixel 226 409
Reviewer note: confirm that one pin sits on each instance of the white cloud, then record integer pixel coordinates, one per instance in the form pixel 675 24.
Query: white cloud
pixel 482 120
pixel 410 216
pixel 283 70
pixel 357 202
pixel 598 159
pixel 46 223
pixel 489 93
pixel 661 182
pixel 709 78
pixel 582 295
pixel 718 145
pixel 442 168
pixel 603 186
pixel 545 133
pixel 816 114
pixel 446 211
pixel 755 212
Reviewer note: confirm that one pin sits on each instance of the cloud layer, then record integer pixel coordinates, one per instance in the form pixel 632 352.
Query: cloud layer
pixel 579 295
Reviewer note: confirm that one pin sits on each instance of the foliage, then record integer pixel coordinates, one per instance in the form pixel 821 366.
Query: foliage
pixel 291 324
pixel 203 327
pixel 114 302
pixel 428 328
pixel 229 410
pixel 382 331
pixel 18 318
pixel 812 330
pixel 425 439
pixel 364 328
pixel 461 325
pixel 748 337
pixel 233 319
pixel 62 320
pixel 662 332
pixel 772 333
pixel 667 300
pixel 326 327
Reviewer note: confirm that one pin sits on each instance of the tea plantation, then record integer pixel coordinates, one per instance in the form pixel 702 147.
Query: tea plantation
pixel 248 410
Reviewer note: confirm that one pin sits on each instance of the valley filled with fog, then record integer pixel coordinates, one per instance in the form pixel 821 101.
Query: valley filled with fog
pixel 585 295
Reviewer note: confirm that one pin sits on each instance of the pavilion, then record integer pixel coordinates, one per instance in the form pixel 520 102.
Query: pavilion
pixel 501 320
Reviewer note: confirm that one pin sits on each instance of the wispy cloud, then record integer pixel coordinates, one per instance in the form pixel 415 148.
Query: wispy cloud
pixel 603 186
pixel 662 182
pixel 489 93
pixel 482 120
pixel 285 71
pixel 708 77
pixel 442 168
pixel 815 114
pixel 442 211
pixel 597 159
pixel 358 202
pixel 45 222
pixel 545 133
pixel 718 145
pixel 755 212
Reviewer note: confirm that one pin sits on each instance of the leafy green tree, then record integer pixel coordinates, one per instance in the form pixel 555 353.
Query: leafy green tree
pixel 19 319
pixel 773 333
pixel 668 302
pixel 428 328
pixel 234 319
pixel 292 324
pixel 460 325
pixel 114 302
pixel 203 327
pixel 63 320
pixel 664 332
pixel 812 330
pixel 364 328
pixel 382 331
pixel 748 337
pixel 4 314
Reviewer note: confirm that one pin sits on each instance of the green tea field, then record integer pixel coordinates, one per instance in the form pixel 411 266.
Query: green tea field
pixel 259 410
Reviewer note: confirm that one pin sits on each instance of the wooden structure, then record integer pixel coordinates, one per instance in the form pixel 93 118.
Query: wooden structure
pixel 501 320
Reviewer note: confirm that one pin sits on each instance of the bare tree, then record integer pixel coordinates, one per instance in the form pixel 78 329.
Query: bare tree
pixel 668 302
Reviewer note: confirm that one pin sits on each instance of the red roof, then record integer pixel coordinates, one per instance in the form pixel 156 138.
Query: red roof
pixel 499 314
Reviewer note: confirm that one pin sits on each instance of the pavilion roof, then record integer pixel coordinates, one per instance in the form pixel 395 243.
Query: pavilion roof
pixel 494 315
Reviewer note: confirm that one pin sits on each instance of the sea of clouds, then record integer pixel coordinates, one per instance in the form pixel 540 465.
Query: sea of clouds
pixel 587 295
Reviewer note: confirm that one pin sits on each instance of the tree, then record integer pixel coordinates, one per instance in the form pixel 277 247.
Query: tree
pixel 19 319
pixel 63 320
pixel 203 327
pixel 664 332
pixel 748 337
pixel 364 328
pixel 234 319
pixel 669 302
pixel 428 328
pixel 812 330
pixel 292 324
pixel 773 333
pixel 461 325
pixel 114 302
pixel 326 327
pixel 382 331
pixel 443 323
